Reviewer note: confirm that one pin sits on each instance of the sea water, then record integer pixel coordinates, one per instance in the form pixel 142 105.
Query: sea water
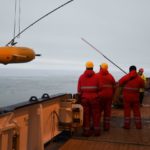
pixel 19 86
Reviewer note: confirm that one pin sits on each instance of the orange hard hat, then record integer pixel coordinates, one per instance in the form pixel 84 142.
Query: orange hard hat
pixel 104 66
pixel 141 70
pixel 89 64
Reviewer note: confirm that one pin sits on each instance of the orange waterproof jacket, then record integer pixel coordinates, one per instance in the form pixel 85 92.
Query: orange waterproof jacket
pixel 131 83
pixel 106 83
pixel 88 85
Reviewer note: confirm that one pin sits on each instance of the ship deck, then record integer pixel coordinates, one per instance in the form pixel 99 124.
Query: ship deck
pixel 115 139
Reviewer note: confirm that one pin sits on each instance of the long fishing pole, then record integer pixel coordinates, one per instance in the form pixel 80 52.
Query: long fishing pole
pixel 102 54
pixel 12 40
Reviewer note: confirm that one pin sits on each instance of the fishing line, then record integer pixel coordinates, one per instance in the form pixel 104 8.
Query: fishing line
pixel 12 40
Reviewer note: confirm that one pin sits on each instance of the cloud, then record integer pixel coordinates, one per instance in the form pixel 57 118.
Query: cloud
pixel 120 30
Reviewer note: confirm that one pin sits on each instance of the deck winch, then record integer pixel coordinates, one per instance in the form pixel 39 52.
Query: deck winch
pixel 70 115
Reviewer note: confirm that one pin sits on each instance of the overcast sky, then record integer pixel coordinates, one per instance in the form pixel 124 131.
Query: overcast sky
pixel 120 29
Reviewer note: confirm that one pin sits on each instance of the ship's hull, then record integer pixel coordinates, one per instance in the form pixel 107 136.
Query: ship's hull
pixel 29 125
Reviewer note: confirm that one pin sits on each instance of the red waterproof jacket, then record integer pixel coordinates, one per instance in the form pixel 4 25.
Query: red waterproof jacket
pixel 131 83
pixel 106 83
pixel 88 85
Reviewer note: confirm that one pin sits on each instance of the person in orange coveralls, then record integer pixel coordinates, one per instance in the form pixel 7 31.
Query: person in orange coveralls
pixel 131 83
pixel 141 74
pixel 88 91
pixel 106 92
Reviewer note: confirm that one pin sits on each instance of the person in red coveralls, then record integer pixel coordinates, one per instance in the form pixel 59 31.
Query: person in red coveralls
pixel 88 91
pixel 131 84
pixel 106 92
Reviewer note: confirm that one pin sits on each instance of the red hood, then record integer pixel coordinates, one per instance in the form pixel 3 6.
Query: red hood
pixel 89 73
pixel 103 71
pixel 133 74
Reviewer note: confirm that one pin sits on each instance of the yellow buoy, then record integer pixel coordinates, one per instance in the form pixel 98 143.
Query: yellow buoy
pixel 16 55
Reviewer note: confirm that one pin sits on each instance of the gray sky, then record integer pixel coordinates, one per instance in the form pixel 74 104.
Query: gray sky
pixel 118 28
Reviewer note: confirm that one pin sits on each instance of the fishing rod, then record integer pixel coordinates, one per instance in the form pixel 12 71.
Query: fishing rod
pixel 102 54
pixel 12 40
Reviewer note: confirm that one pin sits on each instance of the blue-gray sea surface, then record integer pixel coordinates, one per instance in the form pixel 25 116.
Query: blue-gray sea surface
pixel 19 85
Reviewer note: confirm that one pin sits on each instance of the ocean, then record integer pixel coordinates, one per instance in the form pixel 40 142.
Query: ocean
pixel 19 85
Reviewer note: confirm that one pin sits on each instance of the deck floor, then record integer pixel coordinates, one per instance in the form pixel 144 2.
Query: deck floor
pixel 117 138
